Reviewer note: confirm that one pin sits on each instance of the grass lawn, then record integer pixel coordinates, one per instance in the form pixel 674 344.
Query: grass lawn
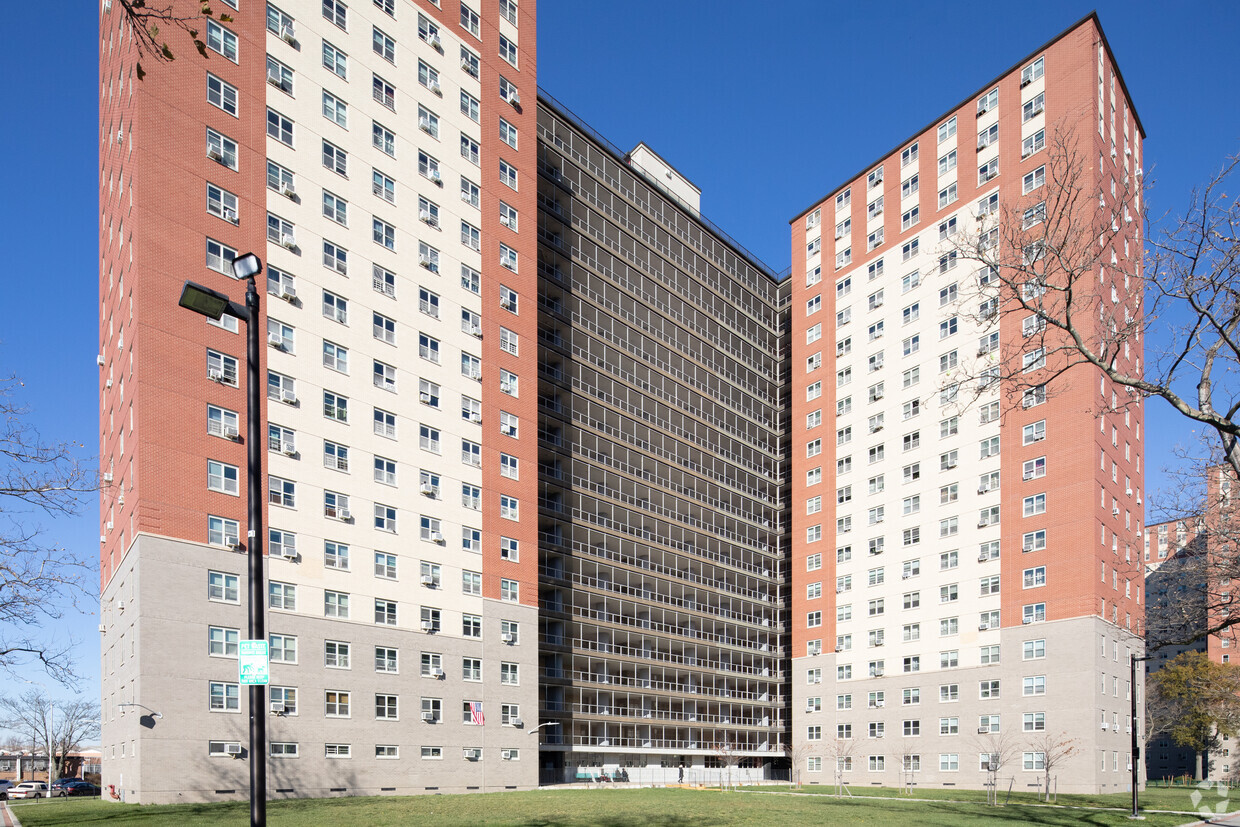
pixel 1154 798
pixel 570 808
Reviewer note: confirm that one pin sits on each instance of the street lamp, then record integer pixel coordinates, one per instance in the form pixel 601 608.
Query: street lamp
pixel 1136 748
pixel 215 305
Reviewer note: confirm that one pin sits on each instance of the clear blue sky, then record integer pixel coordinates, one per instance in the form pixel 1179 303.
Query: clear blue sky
pixel 746 99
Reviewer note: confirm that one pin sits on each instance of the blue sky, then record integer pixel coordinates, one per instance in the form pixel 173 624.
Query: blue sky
pixel 748 100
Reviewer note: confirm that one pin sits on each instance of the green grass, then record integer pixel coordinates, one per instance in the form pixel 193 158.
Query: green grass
pixel 1153 798
pixel 577 808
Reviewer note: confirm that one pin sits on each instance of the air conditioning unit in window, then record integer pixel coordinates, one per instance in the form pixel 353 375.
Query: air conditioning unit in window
pixel 232 749
pixel 287 190
pixel 288 293
pixel 286 32
pixel 435 87
pixel 983 627
pixel 436 672
pixel 436 537
pixel 983 558
pixel 107 476
pixel 1114 512
pixel 288 242
pixel 232 541
pixel 288 397
pixel 425 261
pixel 503 219
pixel 506 303
pixel 107 6
pixel 475 330
pixel 344 515
pixel 507 637
pixel 982 524
pixel 428 489
pixel 230 216
pixel 215 155
pixel 428 580
pixel 472 754
pixel 983 730
pixel 506 430
pixel 433 40
pixel 275 340
pixel 1025 621
pixel 428 717
pixel 273 75
pixel 475 417
pixel 514 97
pixel 424 124
pixel 436 177
pixel 288 552
pixel 1025 82
pixel 427 626
pixel 277 708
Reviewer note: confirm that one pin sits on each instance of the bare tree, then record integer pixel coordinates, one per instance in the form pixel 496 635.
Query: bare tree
pixel 728 759
pixel 1054 749
pixel 1051 261
pixel 838 752
pixel 147 23
pixel 62 727
pixel 797 756
pixel 1001 748
pixel 38 578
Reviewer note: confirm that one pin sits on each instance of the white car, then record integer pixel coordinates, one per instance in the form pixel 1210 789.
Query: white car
pixel 29 789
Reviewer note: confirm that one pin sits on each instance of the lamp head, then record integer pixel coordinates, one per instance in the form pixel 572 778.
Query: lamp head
pixel 246 266
pixel 204 300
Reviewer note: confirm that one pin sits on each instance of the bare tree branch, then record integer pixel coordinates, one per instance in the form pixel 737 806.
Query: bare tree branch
pixel 146 23
pixel 39 580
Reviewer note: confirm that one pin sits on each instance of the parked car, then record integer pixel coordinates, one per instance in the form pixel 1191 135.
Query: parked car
pixel 30 789
pixel 5 786
pixel 58 786
pixel 82 788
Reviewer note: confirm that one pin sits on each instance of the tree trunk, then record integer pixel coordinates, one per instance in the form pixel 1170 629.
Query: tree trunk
pixel 1200 756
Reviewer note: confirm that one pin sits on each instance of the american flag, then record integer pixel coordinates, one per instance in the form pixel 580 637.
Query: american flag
pixel 475 713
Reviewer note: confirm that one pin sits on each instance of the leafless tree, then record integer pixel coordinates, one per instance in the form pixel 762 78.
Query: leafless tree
pixel 1051 259
pixel 1055 748
pixel 65 727
pixel 148 23
pixel 838 754
pixel 1002 748
pixel 728 759
pixel 38 578
pixel 797 756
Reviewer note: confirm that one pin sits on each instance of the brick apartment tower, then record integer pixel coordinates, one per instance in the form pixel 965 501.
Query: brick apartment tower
pixel 1186 584
pixel 379 157
pixel 921 636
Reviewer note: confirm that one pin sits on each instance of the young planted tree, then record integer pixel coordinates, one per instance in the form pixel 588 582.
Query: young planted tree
pixel 1001 750
pixel 1199 701
pixel 1052 749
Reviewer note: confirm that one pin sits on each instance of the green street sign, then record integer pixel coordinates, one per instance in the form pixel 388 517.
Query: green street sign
pixel 253 663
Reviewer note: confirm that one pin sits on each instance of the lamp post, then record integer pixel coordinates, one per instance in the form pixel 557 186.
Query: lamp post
pixel 1136 747
pixel 215 305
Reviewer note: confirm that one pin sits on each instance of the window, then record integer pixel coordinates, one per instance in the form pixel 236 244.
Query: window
pixel 1033 613
pixel 1034 143
pixel 509 674
pixel 384 46
pixel 279 127
pixel 1033 180
pixel 335 604
pixel 225 697
pixel 221 40
pixel 383 138
pixel 508 133
pixel 508 50
pixel 1034 107
pixel 470 149
pixel 221 149
pixel 908 155
pixel 1032 72
pixel 470 21
pixel 946 130
pixel 335 258
pixel 222 477
pixel 509 507
pixel 1034 505
pixel 428 122
pixel 224 95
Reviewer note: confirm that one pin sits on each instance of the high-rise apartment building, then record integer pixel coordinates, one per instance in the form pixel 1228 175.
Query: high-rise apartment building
pixel 546 449
pixel 965 567
pixel 661 527
pixel 379 156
